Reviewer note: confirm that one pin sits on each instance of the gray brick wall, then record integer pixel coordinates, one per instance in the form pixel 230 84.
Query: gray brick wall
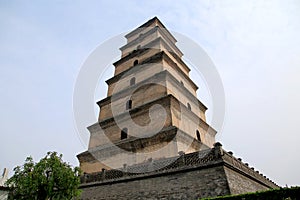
pixel 207 173
pixel 240 184
pixel 183 185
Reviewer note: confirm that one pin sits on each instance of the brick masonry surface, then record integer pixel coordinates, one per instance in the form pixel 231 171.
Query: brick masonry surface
pixel 183 185
pixel 208 173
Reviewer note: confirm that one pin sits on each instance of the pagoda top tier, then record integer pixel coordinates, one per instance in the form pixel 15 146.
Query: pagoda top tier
pixel 150 35
pixel 148 25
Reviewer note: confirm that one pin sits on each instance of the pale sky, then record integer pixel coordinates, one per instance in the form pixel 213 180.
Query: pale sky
pixel 254 45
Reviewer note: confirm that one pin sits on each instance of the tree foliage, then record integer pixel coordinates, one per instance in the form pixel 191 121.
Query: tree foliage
pixel 49 179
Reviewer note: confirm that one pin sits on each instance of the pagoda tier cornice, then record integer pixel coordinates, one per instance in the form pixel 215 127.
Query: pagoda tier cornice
pixel 151 31
pixel 153 59
pixel 131 144
pixel 161 74
pixel 140 109
pixel 148 47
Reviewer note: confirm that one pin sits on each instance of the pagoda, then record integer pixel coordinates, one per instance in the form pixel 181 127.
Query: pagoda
pixel 151 110
pixel 151 140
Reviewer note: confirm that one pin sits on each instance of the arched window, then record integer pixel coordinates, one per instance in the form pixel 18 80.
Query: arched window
pixel 128 104
pixel 181 83
pixel 124 133
pixel 198 135
pixel 135 62
pixel 138 47
pixel 189 106
pixel 132 81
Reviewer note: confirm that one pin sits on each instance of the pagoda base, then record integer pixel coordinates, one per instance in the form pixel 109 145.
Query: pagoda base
pixel 206 173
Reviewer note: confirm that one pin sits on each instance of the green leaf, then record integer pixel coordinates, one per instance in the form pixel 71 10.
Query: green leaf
pixel 50 178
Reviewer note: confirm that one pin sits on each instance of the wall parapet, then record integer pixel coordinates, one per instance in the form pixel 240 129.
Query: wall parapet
pixel 184 162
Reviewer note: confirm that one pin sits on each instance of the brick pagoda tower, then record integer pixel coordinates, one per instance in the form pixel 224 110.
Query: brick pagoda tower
pixel 151 110
pixel 151 139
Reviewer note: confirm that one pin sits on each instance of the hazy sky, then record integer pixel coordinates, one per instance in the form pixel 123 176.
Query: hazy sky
pixel 255 46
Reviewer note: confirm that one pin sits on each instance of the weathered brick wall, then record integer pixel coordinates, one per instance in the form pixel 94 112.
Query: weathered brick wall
pixel 240 184
pixel 181 185
pixel 207 173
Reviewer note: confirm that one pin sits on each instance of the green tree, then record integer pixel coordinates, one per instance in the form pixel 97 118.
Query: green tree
pixel 49 179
